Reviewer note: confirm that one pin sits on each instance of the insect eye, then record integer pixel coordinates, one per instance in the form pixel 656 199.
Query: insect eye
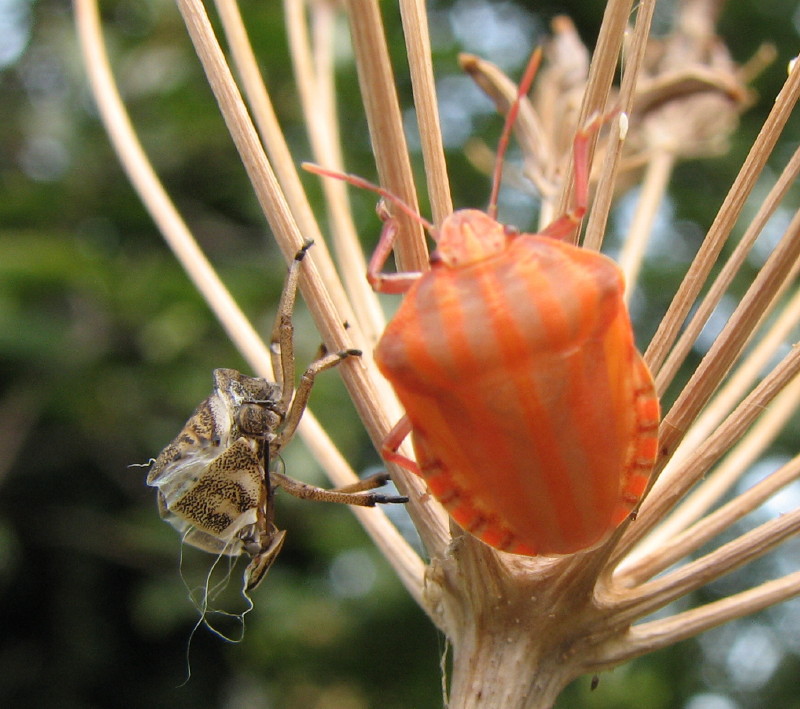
pixel 509 230
pixel 256 419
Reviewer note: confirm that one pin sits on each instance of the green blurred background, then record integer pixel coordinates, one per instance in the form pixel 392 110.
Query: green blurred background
pixel 106 349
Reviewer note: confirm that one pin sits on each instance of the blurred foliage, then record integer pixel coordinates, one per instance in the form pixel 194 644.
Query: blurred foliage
pixel 106 349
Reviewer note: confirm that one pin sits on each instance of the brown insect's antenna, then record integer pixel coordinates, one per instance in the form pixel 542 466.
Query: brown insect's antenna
pixel 357 181
pixel 511 117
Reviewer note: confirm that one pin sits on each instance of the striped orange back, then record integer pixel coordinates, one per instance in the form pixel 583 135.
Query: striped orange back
pixel 520 377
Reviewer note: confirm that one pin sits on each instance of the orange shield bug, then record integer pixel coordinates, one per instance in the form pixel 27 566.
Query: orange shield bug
pixel 214 480
pixel 533 417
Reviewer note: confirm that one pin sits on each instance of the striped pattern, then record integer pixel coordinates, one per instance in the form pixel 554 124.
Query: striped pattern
pixel 534 417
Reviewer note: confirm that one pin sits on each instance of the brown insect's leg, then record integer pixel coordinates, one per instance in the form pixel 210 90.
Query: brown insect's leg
pixel 282 339
pixel 310 492
pixel 392 442
pixel 564 225
pixel 263 560
pixel 300 401
pixel 368 483
pixel 387 282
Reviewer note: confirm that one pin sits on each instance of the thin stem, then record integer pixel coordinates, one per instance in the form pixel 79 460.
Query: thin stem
pixel 598 218
pixel 725 277
pixel 740 382
pixel 726 217
pixel 378 93
pixel 418 48
pixel 647 637
pixel 314 76
pixel 635 570
pixel 649 597
pixel 273 140
pixel 656 179
pixel 757 302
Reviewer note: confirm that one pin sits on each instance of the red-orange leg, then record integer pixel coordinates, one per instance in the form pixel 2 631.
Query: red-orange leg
pixel 564 225
pixel 382 282
pixel 387 282
pixel 392 442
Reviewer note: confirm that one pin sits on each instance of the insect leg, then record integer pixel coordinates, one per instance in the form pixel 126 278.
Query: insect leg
pixel 300 401
pixel 382 282
pixel 564 225
pixel 262 560
pixel 368 483
pixel 311 492
pixel 511 117
pixel 387 282
pixel 282 339
pixel 392 442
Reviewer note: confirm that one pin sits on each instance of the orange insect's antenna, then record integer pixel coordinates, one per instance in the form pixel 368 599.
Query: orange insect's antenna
pixel 357 181
pixel 511 117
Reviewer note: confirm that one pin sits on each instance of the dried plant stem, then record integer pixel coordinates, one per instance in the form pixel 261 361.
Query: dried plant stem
pixel 723 281
pixel 649 597
pixel 204 277
pixel 275 144
pixel 313 67
pixel 727 215
pixel 330 322
pixel 656 178
pixel 646 637
pixel 598 218
pixel 757 302
pixel 740 382
pixel 638 569
pixel 418 46
pixel 386 125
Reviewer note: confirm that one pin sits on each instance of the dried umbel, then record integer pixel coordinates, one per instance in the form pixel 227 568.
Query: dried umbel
pixel 522 628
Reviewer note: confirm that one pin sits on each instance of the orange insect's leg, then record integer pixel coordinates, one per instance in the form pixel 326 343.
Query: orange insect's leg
pixel 382 282
pixel 392 442
pixel 564 225
pixel 387 282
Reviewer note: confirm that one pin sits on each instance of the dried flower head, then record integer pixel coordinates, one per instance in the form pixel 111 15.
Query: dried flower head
pixel 522 628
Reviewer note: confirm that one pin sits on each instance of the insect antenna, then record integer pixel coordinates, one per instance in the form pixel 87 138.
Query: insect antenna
pixel 357 181
pixel 511 117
